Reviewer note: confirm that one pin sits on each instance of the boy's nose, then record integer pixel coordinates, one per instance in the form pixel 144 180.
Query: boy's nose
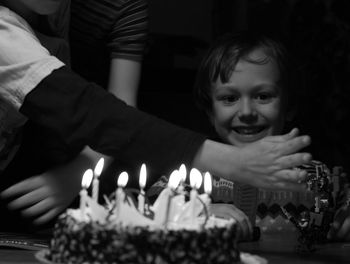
pixel 247 112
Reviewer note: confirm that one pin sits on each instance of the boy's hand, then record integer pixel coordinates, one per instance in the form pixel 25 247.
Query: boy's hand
pixel 229 211
pixel 340 228
pixel 44 196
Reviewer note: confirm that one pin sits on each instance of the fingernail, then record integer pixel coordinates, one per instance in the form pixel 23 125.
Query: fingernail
pixel 307 158
pixel 306 139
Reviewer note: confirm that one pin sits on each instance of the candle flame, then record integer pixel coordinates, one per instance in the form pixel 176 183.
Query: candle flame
pixel 87 178
pixel 143 176
pixel 174 179
pixel 195 178
pixel 183 172
pixel 207 183
pixel 123 179
pixel 99 167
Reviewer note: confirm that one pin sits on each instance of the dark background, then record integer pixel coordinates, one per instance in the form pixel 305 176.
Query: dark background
pixel 317 33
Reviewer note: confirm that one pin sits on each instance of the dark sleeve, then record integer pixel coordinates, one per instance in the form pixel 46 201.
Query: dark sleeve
pixel 82 113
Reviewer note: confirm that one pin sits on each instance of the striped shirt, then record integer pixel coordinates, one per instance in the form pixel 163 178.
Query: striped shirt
pixel 105 29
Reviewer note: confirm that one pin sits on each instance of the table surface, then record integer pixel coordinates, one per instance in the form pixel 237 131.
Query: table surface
pixel 277 248
pixel 280 248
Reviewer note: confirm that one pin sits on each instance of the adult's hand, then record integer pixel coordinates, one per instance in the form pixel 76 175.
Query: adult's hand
pixel 42 197
pixel 268 163
pixel 275 158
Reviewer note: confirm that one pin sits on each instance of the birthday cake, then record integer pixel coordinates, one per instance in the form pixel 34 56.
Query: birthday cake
pixel 78 242
pixel 174 229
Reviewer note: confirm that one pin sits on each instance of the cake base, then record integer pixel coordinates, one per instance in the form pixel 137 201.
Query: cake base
pixel 245 258
pixel 77 242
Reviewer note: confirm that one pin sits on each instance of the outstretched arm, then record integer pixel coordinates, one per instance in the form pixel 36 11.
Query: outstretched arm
pixel 137 137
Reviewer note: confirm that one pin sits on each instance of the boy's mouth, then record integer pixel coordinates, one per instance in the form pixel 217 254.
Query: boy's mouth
pixel 248 130
pixel 248 134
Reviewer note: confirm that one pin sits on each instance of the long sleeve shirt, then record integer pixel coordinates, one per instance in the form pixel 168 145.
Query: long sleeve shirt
pixel 82 113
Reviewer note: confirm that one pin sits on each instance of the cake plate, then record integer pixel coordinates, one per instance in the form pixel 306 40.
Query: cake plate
pixel 246 258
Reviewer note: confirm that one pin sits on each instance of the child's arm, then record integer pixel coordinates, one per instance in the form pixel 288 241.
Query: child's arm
pixel 127 41
pixel 43 197
pixel 124 79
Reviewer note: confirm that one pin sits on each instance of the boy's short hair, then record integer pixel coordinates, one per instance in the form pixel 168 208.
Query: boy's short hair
pixel 224 54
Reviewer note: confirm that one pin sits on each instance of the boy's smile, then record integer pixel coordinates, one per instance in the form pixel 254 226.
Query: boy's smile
pixel 249 106
pixel 249 133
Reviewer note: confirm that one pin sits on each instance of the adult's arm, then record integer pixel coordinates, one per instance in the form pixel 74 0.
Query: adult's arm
pixel 81 113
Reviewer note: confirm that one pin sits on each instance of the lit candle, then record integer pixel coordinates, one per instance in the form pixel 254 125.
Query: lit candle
pixel 120 195
pixel 142 183
pixel 174 180
pixel 85 183
pixel 183 175
pixel 195 182
pixel 95 184
pixel 207 187
pixel 173 183
pixel 161 205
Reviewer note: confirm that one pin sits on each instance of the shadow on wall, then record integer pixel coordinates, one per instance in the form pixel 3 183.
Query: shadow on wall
pixel 168 76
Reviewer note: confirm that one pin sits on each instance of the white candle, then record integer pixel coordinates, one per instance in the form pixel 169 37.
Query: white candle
pixel 173 183
pixel 120 195
pixel 142 183
pixel 195 182
pixel 161 206
pixel 85 183
pixel 208 186
pixel 97 172
pixel 183 175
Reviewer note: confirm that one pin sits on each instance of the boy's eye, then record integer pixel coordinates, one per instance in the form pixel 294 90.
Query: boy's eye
pixel 265 97
pixel 228 99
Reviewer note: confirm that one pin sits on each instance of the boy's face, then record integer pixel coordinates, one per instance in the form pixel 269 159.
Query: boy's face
pixel 42 7
pixel 249 106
